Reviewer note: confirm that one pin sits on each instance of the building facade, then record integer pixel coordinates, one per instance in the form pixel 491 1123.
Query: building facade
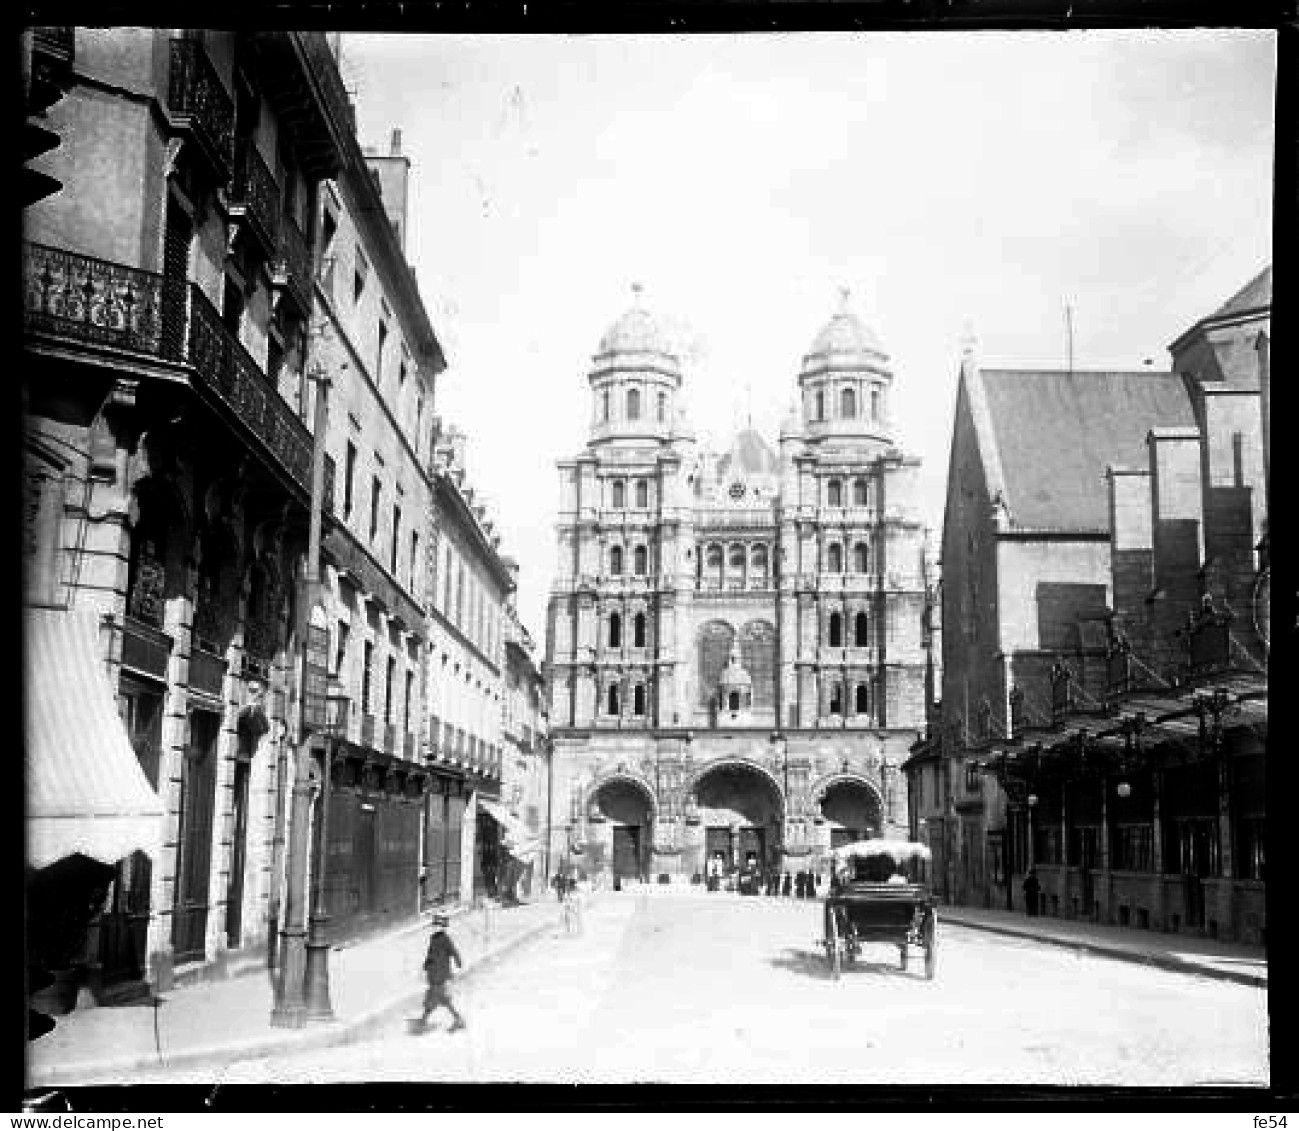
pixel 469 586
pixel 167 295
pixel 735 657
pixel 1104 704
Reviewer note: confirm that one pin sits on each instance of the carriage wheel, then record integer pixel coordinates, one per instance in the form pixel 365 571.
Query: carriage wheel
pixel 833 951
pixel 931 944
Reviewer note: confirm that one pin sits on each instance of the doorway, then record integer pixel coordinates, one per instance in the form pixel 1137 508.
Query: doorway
pixel 626 853
pixel 194 837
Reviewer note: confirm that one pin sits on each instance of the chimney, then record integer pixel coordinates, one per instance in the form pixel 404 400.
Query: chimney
pixel 394 148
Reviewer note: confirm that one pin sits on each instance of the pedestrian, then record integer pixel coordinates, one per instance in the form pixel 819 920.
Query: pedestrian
pixel 786 885
pixel 437 972
pixel 1031 890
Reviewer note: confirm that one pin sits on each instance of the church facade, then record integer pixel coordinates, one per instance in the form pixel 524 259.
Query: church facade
pixel 736 653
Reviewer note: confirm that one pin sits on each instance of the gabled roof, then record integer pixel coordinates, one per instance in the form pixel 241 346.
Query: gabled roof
pixel 1053 433
pixel 1254 295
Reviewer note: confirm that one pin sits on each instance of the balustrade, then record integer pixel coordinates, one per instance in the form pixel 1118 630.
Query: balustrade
pixel 199 100
pixel 294 268
pixel 256 196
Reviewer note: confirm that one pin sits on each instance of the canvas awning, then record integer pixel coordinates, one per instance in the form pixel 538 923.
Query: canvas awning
pixel 517 841
pixel 86 792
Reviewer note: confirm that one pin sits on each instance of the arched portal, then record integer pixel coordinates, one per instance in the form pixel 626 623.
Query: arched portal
pixel 627 811
pixel 851 808
pixel 741 811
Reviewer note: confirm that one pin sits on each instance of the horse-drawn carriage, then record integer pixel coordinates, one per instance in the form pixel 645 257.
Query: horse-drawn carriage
pixel 879 892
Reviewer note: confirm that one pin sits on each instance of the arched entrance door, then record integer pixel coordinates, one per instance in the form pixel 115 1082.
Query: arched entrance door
pixel 629 814
pixel 852 811
pixel 741 812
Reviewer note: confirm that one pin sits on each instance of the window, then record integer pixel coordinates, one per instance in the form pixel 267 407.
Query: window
pixel 375 489
pixel 861 558
pixel 360 272
pixel 619 495
pixel 640 560
pixel 232 307
pixel 862 703
pixel 860 493
pixel 848 404
pixel 389 680
pixel 638 631
pixel 341 636
pixel 633 404
pixel 349 478
pixel 413 576
pixel 396 538
pixel 419 421
pixel 834 558
pixel 875 404
pixel 638 699
pixel 328 230
pixel 403 367
pixel 642 494
pixel 836 699
pixel 611 700
pixel 383 342
pixel 663 406
pixel 367 675
pixel 615 630
pixel 820 407
pixel 836 630
pixel 860 631
pixel 834 493
pixel 615 560
pixel 604 405
pixel 406 696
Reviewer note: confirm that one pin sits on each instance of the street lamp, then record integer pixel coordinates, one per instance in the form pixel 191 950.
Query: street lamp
pixel 1124 790
pixel 319 1007
pixel 1032 801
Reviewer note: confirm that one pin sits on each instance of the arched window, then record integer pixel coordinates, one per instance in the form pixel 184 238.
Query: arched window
pixel 860 493
pixel 615 630
pixel 834 493
pixel 834 558
pixel 758 564
pixel 861 558
pixel 642 494
pixel 860 631
pixel 619 495
pixel 714 565
pixel 735 564
pixel 862 705
pixel 663 406
pixel 875 404
pixel 638 631
pixel 633 404
pixel 820 406
pixel 836 630
pixel 836 700
pixel 638 699
pixel 733 701
pixel 848 403
pixel 615 560
pixel 611 703
pixel 640 561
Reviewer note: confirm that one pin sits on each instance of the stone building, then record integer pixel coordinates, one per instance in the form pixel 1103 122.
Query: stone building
pixel 1104 702
pixel 735 660
pixel 167 290
pixel 469 586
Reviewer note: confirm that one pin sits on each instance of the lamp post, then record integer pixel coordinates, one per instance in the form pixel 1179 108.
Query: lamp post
pixel 290 1008
pixel 316 992
pixel 1032 801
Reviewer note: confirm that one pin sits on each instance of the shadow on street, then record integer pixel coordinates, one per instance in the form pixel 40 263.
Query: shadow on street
pixel 813 964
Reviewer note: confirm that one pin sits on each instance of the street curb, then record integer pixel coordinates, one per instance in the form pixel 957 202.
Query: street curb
pixel 1143 958
pixel 328 1035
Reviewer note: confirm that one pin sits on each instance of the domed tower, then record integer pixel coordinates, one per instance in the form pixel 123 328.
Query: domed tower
pixel 845 380
pixel 635 377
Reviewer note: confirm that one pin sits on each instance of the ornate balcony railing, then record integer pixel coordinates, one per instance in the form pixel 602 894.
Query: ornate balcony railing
pixel 200 103
pixel 294 268
pixel 255 197
pixel 77 297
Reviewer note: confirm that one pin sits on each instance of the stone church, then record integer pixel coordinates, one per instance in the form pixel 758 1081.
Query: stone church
pixel 737 658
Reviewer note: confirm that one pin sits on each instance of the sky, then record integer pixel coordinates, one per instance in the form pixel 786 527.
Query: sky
pixel 953 182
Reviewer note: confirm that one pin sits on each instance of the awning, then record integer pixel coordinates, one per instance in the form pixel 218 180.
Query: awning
pixel 518 841
pixel 86 792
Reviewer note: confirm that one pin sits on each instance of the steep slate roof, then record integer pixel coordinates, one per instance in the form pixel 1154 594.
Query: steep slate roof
pixel 1055 432
pixel 1254 295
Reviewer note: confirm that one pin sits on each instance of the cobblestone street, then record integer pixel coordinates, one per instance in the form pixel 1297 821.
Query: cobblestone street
pixel 724 989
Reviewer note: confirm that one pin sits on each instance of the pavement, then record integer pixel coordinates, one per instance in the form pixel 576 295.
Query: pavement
pixel 1186 954
pixel 372 982
pixel 377 980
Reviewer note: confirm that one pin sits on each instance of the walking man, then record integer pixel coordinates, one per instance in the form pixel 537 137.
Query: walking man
pixel 437 971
